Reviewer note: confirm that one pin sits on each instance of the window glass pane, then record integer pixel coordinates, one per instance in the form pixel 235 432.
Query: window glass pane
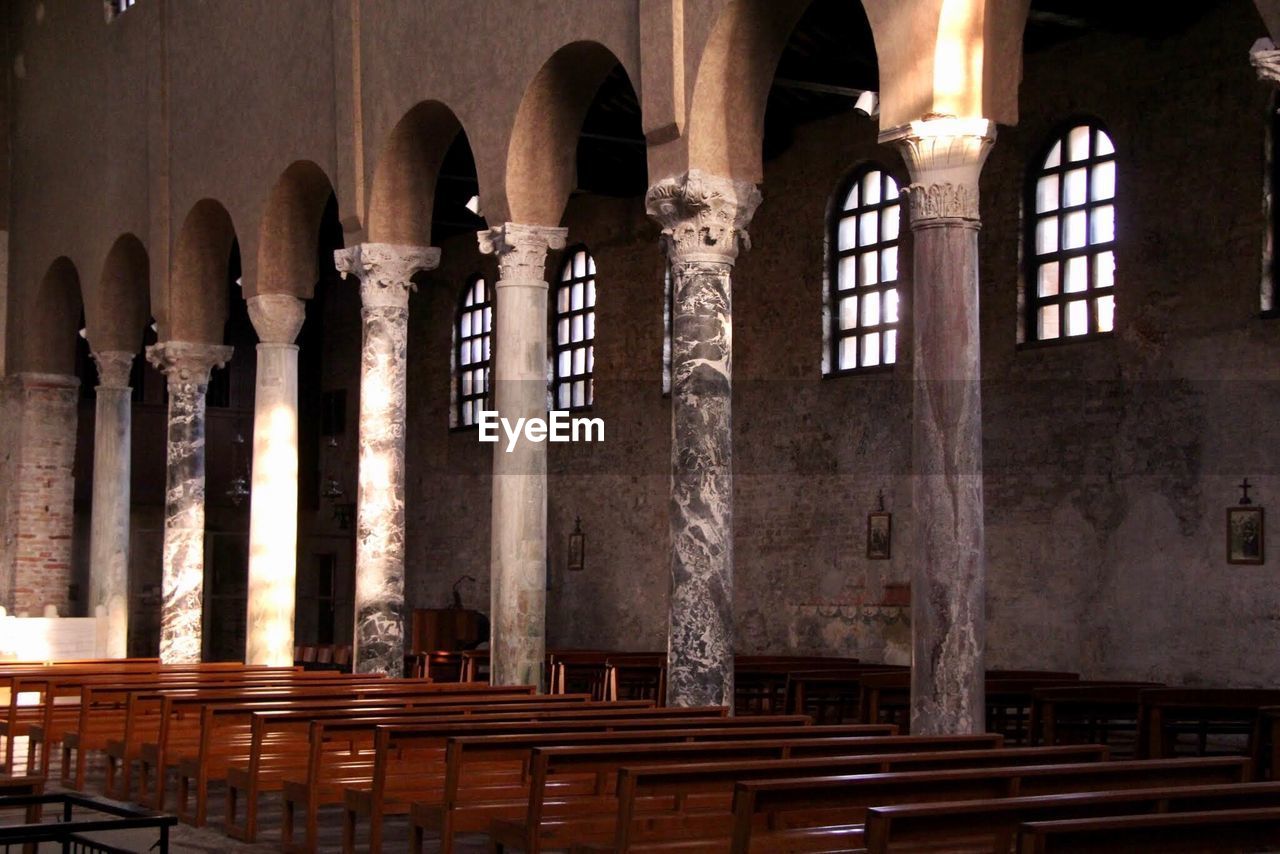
pixel 1103 144
pixel 847 272
pixel 579 264
pixel 575 297
pixel 891 347
pixel 1074 233
pixel 591 360
pixel 891 222
pixel 562 332
pixel 580 361
pixel 591 292
pixel 562 300
pixel 1078 317
pixel 477 350
pixel 1104 181
pixel 591 325
pixel 1106 313
pixel 868 228
pixel 871 188
pixel 486 340
pixel 1047 235
pixel 871 349
pixel 1047 194
pixel 464 353
pixel 891 188
pixel 1047 279
pixel 889 264
pixel 1048 323
pixel 1055 156
pixel 575 333
pixel 848 353
pixel 871 309
pixel 849 313
pixel 1077 179
pixel 488 320
pixel 851 200
pixel 466 382
pixel 1078 143
pixel 870 272
pixel 891 305
pixel 847 233
pixel 1077 278
pixel 1104 269
pixel 563 395
pixel 1103 222
pixel 579 393
pixel 591 265
pixel 466 413
pixel 465 331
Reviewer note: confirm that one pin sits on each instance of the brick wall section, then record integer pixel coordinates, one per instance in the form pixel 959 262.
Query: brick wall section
pixel 39 514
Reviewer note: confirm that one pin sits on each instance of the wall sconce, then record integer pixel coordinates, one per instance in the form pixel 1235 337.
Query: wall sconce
pixel 577 546
pixel 238 490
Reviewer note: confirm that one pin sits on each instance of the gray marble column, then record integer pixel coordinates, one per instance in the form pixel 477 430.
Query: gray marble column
pixel 518 544
pixel 109 520
pixel 273 502
pixel 945 157
pixel 384 272
pixel 703 219
pixel 186 366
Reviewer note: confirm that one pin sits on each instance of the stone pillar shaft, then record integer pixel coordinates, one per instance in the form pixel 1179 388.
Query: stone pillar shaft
pixel 384 272
pixel 186 366
pixel 703 219
pixel 945 157
pixel 518 546
pixel 273 508
pixel 109 521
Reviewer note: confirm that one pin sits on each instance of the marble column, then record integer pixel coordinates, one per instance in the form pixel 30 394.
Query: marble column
pixel 273 502
pixel 384 272
pixel 186 366
pixel 109 519
pixel 518 544
pixel 945 157
pixel 703 218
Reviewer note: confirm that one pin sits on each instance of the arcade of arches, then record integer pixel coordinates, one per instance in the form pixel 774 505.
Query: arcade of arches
pixel 999 268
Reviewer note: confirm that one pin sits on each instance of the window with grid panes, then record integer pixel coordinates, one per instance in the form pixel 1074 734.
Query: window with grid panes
pixel 474 339
pixel 575 332
pixel 1071 288
pixel 864 278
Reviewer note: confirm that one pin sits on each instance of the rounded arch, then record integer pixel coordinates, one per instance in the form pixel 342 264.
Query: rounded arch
pixel 197 309
pixel 404 181
pixel 290 233
pixel 541 166
pixel 117 314
pixel 47 343
pixel 731 90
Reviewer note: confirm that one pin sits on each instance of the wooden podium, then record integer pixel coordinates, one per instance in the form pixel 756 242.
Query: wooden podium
pixel 446 629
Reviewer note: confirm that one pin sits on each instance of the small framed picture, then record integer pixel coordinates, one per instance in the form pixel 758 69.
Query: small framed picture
pixel 1245 535
pixel 879 535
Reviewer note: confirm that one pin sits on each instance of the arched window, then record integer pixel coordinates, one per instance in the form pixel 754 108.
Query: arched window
pixel 473 337
pixel 863 300
pixel 1070 290
pixel 575 331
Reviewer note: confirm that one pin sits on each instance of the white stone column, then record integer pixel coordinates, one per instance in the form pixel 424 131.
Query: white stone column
pixel 518 539
pixel 273 502
pixel 384 272
pixel 109 520
pixel 186 366
pixel 948 588
pixel 703 219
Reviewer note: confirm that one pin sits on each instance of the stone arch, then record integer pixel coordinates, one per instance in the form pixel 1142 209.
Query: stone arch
pixel 52 322
pixel 290 233
pixel 404 182
pixel 541 166
pixel 197 309
pixel 117 313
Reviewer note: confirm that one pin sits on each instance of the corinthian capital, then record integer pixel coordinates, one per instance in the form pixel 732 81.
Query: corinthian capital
pixel 521 250
pixel 385 270
pixel 1266 60
pixel 944 155
pixel 703 217
pixel 114 367
pixel 188 362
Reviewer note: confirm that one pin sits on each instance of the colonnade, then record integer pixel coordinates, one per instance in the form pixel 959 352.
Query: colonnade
pixel 704 220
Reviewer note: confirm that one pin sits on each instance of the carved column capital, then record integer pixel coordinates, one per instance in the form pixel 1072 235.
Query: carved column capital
pixel 385 270
pixel 1265 59
pixel 944 155
pixel 521 251
pixel 277 318
pixel 703 217
pixel 114 367
pixel 188 362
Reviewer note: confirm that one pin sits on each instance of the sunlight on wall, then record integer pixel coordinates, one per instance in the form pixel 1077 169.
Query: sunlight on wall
pixel 957 70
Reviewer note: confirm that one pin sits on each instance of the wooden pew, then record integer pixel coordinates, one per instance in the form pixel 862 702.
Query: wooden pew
pixel 885 698
pixel 830 810
pixel 1199 832
pixel 830 696
pixel 691 802
pixel 987 825
pixel 1094 713
pixel 1167 713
